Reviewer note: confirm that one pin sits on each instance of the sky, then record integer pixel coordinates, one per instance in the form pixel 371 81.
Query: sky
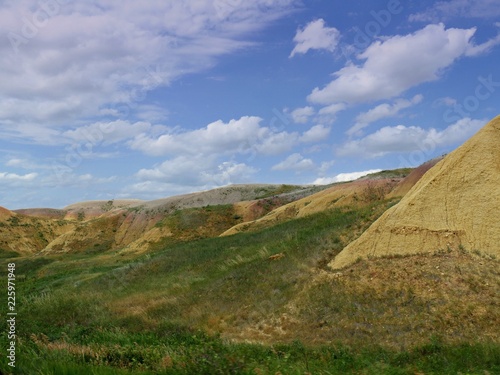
pixel 104 100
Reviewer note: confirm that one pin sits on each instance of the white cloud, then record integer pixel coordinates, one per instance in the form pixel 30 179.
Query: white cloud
pixel 316 134
pixel 59 73
pixel 231 173
pixel 484 47
pixel 111 132
pixel 63 178
pixel 315 36
pixel 13 177
pixel 294 162
pixel 16 162
pixel 406 139
pixel 181 170
pixel 325 166
pixel 302 115
pixel 199 172
pixel 396 64
pixel 276 143
pixel 458 8
pixel 328 114
pixel 382 111
pixel 332 109
pixel 217 137
pixel 445 101
pixel 242 136
pixel 343 177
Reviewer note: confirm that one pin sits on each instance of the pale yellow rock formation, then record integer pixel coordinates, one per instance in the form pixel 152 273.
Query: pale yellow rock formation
pixel 457 202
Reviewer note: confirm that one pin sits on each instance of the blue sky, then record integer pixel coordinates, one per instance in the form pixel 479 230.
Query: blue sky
pixel 126 99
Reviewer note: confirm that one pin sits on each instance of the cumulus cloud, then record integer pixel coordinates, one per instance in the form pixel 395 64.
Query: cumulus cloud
pixel 328 114
pixel 316 134
pixel 17 162
pixel 295 162
pixel 12 178
pixel 199 172
pixel 302 115
pixel 404 139
pixel 217 137
pixel 343 177
pixel 382 111
pixel 316 35
pixel 242 136
pixel 393 65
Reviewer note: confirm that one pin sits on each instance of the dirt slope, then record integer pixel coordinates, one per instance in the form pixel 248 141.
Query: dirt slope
pixel 455 204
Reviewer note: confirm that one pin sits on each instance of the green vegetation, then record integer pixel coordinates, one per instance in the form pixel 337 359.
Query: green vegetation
pixel 393 173
pixel 13 220
pixel 179 350
pixel 172 311
pixel 197 223
pixel 266 192
pixel 6 254
pixel 80 215
pixel 107 206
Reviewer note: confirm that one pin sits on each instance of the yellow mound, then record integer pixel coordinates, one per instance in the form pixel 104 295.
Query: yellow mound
pixel 457 202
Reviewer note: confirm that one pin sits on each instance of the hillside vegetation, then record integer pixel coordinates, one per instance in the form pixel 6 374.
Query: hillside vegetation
pixel 271 294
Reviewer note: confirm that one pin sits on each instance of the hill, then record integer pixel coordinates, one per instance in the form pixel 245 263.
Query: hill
pixel 134 225
pixel 456 204
pixel 5 214
pixel 260 302
pixel 347 194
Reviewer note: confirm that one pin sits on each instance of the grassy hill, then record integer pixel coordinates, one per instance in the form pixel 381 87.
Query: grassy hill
pixel 258 303
pixel 135 287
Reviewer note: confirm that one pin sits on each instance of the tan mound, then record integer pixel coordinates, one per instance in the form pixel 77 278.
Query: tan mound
pixel 457 202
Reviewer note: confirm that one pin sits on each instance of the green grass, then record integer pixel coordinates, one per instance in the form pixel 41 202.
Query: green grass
pixel 161 313
pixel 7 254
pixel 266 192
pixel 177 350
pixel 394 173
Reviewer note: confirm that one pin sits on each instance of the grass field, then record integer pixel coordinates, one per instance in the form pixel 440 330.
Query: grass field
pixel 230 306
